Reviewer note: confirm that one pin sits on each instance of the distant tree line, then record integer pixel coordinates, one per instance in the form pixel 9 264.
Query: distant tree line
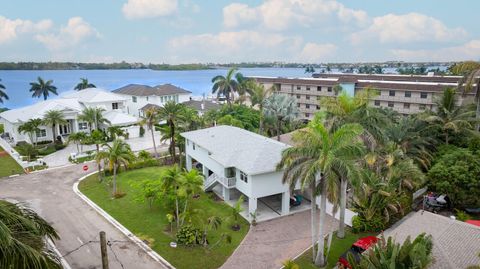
pixel 96 66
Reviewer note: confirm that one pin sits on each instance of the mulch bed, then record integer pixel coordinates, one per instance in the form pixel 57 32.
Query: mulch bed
pixel 3 153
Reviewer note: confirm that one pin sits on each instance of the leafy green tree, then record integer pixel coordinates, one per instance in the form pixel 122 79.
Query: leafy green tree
pixel 53 118
pixel 172 113
pixel 42 87
pixel 93 116
pixel 22 234
pixel 226 85
pixel 84 84
pixel 318 159
pixel 230 120
pixel 31 128
pixel 149 119
pixel 148 190
pixel 117 154
pixel 27 150
pixel 3 94
pixel 258 95
pixel 456 172
pixel 282 108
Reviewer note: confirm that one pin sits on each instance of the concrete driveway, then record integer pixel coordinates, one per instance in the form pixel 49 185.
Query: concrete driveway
pixel 50 194
pixel 272 242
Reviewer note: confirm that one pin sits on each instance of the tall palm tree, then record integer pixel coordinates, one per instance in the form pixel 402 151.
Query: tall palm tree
pixel 3 94
pixel 171 181
pixel 117 154
pixel 84 84
pixel 77 138
pixel 258 95
pixel 150 119
pixel 226 85
pixel 282 108
pixel 191 183
pixel 319 158
pixel 42 87
pixel 172 113
pixel 93 116
pixel 53 118
pixel 243 86
pixel 449 116
pixel 470 82
pixel 22 234
pixel 31 128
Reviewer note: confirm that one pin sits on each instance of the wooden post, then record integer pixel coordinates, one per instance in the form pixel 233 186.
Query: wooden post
pixel 103 250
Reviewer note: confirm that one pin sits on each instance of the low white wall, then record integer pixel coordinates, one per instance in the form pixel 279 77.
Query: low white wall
pixel 349 214
pixel 133 131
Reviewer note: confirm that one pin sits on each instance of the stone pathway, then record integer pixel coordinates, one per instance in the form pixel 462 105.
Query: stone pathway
pixel 270 243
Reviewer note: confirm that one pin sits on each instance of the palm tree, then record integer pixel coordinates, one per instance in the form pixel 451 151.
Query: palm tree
pixel 172 113
pixel 258 95
pixel 117 154
pixel 93 116
pixel 77 138
pixel 282 108
pixel 449 116
pixel 3 94
pixel 84 84
pixel 470 82
pixel 243 87
pixel 171 182
pixel 53 118
pixel 191 182
pixel 22 236
pixel 320 158
pixel 41 87
pixel 226 86
pixel 150 119
pixel 97 137
pixel 31 128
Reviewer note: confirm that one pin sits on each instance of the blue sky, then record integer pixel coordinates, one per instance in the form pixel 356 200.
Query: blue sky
pixel 185 31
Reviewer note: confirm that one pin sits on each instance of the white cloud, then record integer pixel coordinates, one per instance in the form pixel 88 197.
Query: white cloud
pixel 467 51
pixel 236 46
pixel 76 31
pixel 281 14
pixel 11 29
pixel 138 9
pixel 411 27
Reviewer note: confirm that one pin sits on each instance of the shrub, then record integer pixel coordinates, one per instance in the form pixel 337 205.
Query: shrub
pixel 360 224
pixel 187 235
pixel 47 150
pixel 462 216
pixel 59 146
pixel 28 150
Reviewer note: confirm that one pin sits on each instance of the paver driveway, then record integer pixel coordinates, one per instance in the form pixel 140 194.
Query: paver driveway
pixel 270 243
pixel 50 194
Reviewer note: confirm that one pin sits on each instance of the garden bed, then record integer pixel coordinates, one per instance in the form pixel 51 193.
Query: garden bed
pixel 152 224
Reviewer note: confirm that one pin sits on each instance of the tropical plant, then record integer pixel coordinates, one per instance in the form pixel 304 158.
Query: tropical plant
pixel 115 132
pixel 239 115
pixel 172 113
pixel 318 159
pixel 84 84
pixel 469 83
pixel 93 116
pixel 289 264
pixel 78 138
pixel 148 190
pixel 191 183
pixel 258 95
pixel 42 87
pixel 150 118
pixel 116 155
pixel 27 150
pixel 226 85
pixel 170 184
pixel 188 235
pixel 53 118
pixel 282 108
pixel 31 128
pixel 144 155
pixel 22 234
pixel 236 210
pixel 209 224
pixel 97 138
pixel 3 94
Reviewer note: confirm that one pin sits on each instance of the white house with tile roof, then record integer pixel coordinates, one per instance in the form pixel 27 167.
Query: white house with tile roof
pixel 238 161
pixel 71 105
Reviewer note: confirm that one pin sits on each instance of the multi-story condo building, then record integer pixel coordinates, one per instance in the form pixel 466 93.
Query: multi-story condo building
pixel 403 93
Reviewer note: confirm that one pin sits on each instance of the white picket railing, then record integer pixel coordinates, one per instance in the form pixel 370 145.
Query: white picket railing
pixel 228 182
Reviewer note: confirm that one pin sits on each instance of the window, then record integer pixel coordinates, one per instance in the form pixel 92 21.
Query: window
pixel 307 97
pixel 329 89
pixel 243 177
pixel 307 115
pixel 82 126
pixel 391 93
pixel 391 104
pixel 406 105
pixel 308 88
pixel 298 104
pixel 299 88
pixel 423 95
pixel 193 145
pixel 114 105
pixel 298 96
pixel 318 98
pixel 307 106
pixel 318 107
pixel 319 88
pixel 408 94
pixel 161 99
pixel 147 98
pixel 377 102
pixel 134 99
pixel 422 106
pixel 41 133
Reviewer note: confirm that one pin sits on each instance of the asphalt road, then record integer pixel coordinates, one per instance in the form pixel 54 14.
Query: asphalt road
pixel 50 194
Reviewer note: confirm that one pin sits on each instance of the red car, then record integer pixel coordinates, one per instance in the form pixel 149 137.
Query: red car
pixel 356 250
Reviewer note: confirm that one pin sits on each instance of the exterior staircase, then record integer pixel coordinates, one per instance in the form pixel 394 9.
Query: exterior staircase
pixel 215 179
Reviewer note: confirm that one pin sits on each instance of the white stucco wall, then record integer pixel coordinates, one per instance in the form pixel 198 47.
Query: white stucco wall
pixel 133 108
pixel 267 184
pixel 201 155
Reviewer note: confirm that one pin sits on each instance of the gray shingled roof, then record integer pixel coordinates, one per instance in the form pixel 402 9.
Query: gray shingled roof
pixel 234 147
pixel 144 90
pixel 456 244
pixel 197 105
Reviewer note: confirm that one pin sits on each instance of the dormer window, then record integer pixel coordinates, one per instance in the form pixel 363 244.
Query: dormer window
pixel 134 99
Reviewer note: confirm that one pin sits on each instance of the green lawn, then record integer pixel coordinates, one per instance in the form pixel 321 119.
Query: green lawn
pixel 8 166
pixel 338 247
pixel 152 223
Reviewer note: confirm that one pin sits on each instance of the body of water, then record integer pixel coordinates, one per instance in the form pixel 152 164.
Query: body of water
pixel 197 81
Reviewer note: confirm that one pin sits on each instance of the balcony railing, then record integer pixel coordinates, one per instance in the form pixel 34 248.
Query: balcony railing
pixel 228 182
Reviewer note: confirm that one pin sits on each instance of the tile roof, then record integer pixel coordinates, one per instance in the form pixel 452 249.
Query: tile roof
pixel 234 147
pixel 144 90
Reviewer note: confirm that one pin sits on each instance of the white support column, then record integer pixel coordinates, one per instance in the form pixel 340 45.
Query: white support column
pixel 205 171
pixel 252 206
pixel 285 203
pixel 226 193
pixel 188 162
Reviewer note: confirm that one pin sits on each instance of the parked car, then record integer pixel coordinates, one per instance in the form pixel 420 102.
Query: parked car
pixel 360 246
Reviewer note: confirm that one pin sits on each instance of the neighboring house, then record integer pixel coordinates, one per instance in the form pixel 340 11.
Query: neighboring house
pixel 139 96
pixel 202 106
pixel 71 106
pixel 239 161
pixel 456 244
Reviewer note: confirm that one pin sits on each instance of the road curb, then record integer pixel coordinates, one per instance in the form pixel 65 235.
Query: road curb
pixel 154 255
pixel 62 259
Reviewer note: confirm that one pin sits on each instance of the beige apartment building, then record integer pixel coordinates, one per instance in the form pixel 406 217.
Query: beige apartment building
pixel 403 93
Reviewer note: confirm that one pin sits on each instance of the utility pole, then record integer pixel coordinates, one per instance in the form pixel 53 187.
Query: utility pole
pixel 103 250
